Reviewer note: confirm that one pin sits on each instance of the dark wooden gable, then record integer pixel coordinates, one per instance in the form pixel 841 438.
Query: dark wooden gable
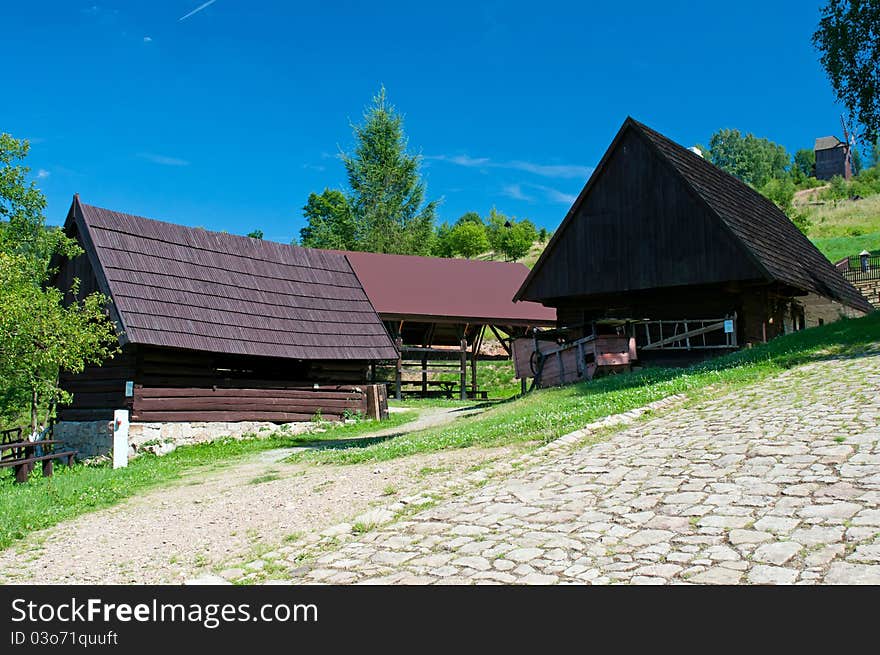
pixel 637 226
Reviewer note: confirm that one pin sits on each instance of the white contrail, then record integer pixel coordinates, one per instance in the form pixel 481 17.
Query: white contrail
pixel 197 10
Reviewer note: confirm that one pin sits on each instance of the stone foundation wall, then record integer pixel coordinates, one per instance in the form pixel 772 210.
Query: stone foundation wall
pixel 89 438
pixel 870 289
pixel 95 438
pixel 161 438
pixel 820 309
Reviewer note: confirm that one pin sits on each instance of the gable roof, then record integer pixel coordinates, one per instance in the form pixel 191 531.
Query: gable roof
pixel 446 290
pixel 773 243
pixel 180 287
pixel 828 143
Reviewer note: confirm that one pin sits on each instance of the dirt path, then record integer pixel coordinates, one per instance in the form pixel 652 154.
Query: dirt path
pixel 212 517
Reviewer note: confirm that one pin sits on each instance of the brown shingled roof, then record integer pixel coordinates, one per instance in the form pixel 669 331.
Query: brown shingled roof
pixel 778 245
pixel 181 287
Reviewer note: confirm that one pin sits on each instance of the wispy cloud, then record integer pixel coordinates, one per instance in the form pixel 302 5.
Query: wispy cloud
pixel 148 39
pixel 555 195
pixel 314 167
pixel 515 191
pixel 522 191
pixel 42 174
pixel 162 159
pixel 202 6
pixel 565 171
pixel 561 171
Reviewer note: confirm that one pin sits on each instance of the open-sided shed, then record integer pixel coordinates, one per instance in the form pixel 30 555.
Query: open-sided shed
pixel 664 247
pixel 438 310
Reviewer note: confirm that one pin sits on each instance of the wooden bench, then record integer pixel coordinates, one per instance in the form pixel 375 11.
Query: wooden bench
pixel 446 387
pixel 24 457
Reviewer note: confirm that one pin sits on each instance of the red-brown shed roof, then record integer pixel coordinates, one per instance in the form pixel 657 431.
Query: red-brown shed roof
pixel 447 290
pixel 181 287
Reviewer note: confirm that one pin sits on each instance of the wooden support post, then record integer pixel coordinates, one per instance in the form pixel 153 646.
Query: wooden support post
pixel 425 375
pixel 475 354
pixel 463 394
pixel 398 375
pixel 523 385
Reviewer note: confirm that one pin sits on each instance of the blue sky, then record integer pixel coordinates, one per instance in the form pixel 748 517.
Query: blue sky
pixel 229 118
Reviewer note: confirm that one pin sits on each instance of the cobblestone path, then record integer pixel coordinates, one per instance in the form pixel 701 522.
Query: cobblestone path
pixel 778 482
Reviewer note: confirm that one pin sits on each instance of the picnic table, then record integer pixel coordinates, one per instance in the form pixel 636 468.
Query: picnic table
pixel 23 455
pixel 446 386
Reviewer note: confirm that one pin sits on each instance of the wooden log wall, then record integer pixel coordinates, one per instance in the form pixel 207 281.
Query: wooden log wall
pixel 332 402
pixel 98 390
pixel 172 385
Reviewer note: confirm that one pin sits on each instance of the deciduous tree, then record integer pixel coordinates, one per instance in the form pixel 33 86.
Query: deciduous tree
pixel 848 41
pixel 40 334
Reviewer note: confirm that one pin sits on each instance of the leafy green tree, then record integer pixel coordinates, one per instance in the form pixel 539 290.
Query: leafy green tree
pixel 804 164
pixel 387 196
pixel 442 245
pixel 874 155
pixel 856 161
pixel 780 192
pixel 470 217
pixel 22 224
pixel 848 40
pixel 508 237
pixel 40 334
pixel 543 235
pixel 330 223
pixel 838 189
pixel 469 239
pixel 255 234
pixel 753 160
pixel 496 223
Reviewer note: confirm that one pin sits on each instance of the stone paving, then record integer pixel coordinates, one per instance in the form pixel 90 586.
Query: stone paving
pixel 776 483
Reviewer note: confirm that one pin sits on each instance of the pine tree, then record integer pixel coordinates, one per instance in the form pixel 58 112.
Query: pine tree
pixel 387 196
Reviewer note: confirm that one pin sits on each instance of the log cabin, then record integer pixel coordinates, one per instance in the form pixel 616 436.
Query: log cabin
pixel 666 248
pixel 217 330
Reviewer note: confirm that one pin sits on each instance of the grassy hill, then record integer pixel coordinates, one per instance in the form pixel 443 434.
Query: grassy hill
pixel 841 228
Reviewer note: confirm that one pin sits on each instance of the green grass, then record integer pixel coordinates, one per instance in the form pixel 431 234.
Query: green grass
pixel 845 227
pixel 70 492
pixel 547 414
pixel 836 248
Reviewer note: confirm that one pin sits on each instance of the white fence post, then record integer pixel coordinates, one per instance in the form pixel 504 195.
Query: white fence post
pixel 120 438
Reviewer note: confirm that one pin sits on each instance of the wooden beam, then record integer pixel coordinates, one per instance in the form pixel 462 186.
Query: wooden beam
pixel 506 347
pixel 684 336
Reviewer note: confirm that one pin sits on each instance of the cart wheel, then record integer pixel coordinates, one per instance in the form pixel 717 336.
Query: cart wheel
pixel 534 360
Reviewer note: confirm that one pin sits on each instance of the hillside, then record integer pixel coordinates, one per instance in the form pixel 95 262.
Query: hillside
pixel 842 228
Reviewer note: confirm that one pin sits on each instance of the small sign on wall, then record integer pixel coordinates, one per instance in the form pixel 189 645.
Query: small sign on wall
pixel 728 326
pixel 129 388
